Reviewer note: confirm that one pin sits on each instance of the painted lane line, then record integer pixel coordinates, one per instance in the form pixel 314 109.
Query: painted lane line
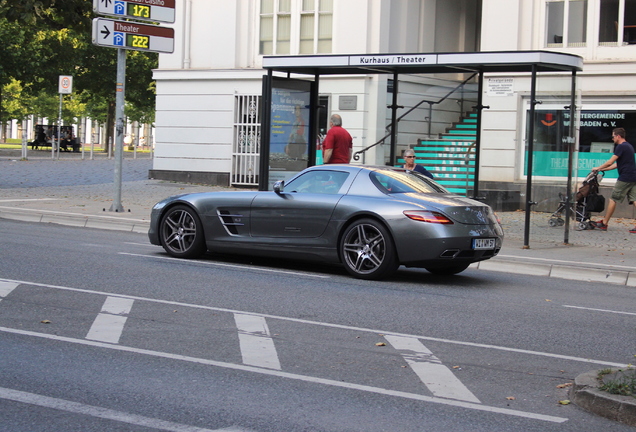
pixel 303 378
pixel 342 326
pixel 218 264
pixel 109 323
pixel 257 345
pixel 103 413
pixel 6 287
pixel 439 379
pixel 29 199
pixel 600 310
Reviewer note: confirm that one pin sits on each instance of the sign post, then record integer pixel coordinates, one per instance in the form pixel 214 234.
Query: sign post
pixel 119 127
pixel 125 35
pixel 65 87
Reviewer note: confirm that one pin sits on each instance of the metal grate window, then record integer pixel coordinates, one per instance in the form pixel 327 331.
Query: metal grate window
pixel 247 140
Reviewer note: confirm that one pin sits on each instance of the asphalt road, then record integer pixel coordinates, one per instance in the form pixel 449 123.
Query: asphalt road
pixel 102 331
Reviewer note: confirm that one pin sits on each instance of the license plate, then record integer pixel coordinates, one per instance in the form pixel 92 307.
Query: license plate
pixel 483 244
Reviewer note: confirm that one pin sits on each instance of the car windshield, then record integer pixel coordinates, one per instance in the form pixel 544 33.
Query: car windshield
pixel 389 181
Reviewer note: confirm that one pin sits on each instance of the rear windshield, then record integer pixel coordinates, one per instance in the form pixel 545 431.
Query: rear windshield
pixel 392 182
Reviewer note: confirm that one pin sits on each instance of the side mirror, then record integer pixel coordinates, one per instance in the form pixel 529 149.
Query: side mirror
pixel 279 186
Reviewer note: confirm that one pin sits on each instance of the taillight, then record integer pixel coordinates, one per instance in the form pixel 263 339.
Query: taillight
pixel 427 216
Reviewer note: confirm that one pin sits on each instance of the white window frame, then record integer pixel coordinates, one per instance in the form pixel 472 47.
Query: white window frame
pixel 565 43
pixel 296 12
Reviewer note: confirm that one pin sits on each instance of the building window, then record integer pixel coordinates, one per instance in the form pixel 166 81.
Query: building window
pixel 617 22
pixel 566 23
pixel 299 27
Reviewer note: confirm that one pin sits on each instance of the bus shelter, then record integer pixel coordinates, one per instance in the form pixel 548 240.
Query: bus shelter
pixel 289 128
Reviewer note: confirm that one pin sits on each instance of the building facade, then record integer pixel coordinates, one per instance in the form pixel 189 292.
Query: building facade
pixel 209 90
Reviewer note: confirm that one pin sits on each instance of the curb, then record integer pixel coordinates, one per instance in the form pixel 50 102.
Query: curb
pixel 585 393
pixel 627 278
pixel 76 219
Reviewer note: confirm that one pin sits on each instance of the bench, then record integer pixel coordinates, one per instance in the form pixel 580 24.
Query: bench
pixel 65 145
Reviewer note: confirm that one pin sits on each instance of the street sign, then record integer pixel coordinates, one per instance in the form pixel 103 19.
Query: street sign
pixel 145 10
pixel 131 35
pixel 65 84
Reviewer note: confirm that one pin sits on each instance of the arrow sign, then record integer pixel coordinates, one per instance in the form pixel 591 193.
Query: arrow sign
pixel 145 10
pixel 132 35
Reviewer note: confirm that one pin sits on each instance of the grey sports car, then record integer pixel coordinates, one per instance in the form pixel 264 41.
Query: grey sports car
pixel 369 219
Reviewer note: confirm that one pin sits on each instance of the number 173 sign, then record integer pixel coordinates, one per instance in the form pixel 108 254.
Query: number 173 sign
pixel 149 10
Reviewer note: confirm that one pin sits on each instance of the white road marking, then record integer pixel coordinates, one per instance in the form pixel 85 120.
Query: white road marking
pixel 104 413
pixel 6 287
pixel 257 345
pixel 600 310
pixel 29 199
pixel 109 323
pixel 340 326
pixel 242 267
pixel 439 379
pixel 304 378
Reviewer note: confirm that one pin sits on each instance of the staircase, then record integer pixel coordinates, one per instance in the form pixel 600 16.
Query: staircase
pixel 451 158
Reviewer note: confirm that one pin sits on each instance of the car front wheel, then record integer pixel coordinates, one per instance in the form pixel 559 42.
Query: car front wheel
pixel 367 250
pixel 181 233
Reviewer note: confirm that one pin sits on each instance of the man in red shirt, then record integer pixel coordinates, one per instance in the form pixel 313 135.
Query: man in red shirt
pixel 338 144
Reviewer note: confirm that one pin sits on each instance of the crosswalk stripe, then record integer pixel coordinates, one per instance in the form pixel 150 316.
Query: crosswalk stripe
pixel 6 287
pixel 257 346
pixel 109 323
pixel 439 379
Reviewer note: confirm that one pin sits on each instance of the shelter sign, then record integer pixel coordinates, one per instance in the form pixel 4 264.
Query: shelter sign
pixel 500 86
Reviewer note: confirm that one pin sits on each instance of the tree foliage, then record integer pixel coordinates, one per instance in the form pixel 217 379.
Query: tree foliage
pixel 43 39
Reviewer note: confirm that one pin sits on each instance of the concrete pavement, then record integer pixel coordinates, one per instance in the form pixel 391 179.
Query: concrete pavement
pixel 80 192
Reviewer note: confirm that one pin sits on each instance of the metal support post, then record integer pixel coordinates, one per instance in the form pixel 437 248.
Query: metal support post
pixel 119 128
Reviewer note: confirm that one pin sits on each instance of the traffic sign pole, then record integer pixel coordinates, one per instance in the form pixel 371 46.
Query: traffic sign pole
pixel 119 128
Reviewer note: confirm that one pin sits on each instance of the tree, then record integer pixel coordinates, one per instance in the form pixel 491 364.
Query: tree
pixel 55 35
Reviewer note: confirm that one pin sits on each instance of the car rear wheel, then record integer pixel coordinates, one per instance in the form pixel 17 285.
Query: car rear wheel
pixel 367 250
pixel 181 233
pixel 448 270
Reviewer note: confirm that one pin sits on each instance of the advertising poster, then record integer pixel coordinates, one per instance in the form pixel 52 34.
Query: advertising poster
pixel 289 134
pixel 595 140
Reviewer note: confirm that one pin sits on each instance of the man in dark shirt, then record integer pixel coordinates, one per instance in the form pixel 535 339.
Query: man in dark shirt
pixel 625 186
pixel 338 144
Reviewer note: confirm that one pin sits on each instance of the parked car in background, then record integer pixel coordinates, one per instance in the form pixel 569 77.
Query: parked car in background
pixel 369 219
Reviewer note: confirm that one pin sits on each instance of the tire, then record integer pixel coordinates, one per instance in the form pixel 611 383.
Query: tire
pixel 448 270
pixel 181 233
pixel 552 222
pixel 367 250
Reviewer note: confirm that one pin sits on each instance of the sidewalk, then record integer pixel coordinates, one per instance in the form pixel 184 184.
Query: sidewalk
pixel 77 192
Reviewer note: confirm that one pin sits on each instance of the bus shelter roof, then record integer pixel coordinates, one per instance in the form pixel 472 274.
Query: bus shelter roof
pixel 419 63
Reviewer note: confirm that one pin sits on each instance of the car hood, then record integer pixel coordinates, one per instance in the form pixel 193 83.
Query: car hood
pixel 460 209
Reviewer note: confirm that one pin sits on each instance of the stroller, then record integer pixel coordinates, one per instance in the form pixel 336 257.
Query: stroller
pixel 587 200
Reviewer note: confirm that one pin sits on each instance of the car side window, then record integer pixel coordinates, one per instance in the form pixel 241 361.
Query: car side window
pixel 319 181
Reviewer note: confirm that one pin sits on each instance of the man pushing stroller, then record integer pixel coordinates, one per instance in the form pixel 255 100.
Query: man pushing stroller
pixel 625 186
